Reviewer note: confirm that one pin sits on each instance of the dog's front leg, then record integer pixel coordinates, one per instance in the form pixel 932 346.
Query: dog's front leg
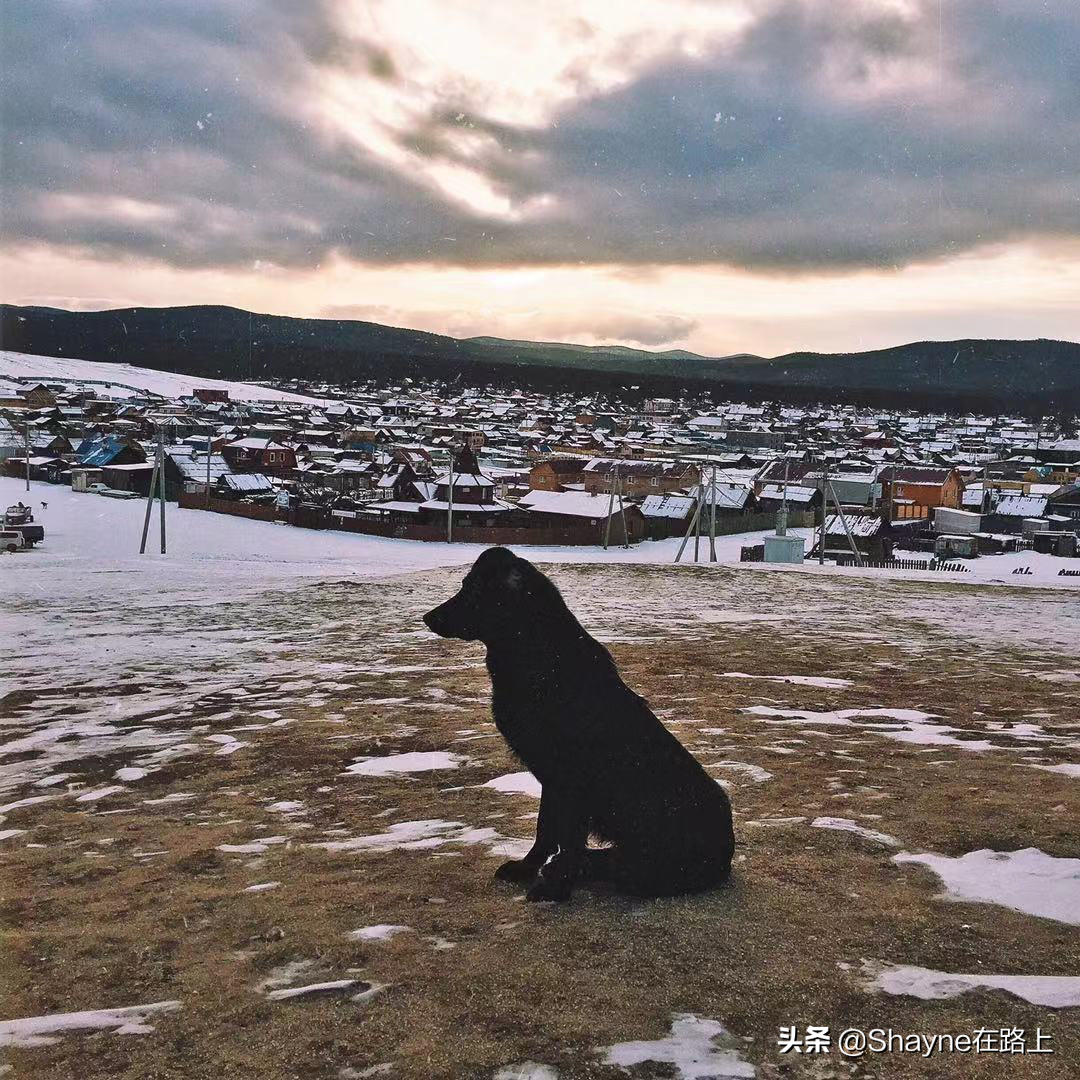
pixel 543 848
pixel 571 830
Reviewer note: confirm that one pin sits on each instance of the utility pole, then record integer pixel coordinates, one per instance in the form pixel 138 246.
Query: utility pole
pixel 450 503
pixel 781 514
pixel 824 507
pixel 610 504
pixel 843 521
pixel 26 447
pixel 689 531
pixel 161 482
pixel 697 515
pixel 712 519
pixel 622 517
pixel 150 505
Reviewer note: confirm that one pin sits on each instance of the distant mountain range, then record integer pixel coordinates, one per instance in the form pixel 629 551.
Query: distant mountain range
pixel 226 342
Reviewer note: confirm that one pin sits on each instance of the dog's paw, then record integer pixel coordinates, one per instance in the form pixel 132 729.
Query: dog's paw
pixel 518 870
pixel 546 889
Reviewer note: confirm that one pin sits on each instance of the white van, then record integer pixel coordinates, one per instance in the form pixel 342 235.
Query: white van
pixel 11 540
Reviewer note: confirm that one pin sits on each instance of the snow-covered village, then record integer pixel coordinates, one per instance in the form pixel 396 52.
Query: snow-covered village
pixel 428 462
pixel 539 542
pixel 245 790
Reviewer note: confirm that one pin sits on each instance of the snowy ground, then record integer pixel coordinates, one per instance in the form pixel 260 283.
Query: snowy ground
pixel 124 380
pixel 250 807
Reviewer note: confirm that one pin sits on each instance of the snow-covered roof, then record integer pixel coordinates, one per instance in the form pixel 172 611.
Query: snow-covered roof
pixel 796 493
pixel 1024 506
pixel 569 503
pixel 668 506
pixel 251 443
pixel 465 479
pixel 247 482
pixel 858 525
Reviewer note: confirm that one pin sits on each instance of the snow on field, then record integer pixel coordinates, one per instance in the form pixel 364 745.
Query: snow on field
pixel 754 773
pixel 88 536
pixel 379 932
pixel 820 681
pixel 363 990
pixel 1052 991
pixel 518 783
pixel 1026 880
pixel 847 825
pixel 691 1050
pixel 127 380
pixel 526 1070
pixel 395 764
pixel 424 835
pixel 44 1030
pixel 1065 769
pixel 913 725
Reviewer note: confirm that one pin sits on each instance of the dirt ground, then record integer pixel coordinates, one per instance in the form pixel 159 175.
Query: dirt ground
pixel 129 899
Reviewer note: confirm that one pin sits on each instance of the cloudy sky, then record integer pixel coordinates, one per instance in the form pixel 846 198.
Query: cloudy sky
pixel 753 175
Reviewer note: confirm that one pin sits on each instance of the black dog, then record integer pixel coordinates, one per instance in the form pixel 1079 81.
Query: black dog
pixel 606 764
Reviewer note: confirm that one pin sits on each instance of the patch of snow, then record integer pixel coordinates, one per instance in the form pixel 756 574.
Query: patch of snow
pixel 425 835
pixel 525 1070
pixel 254 847
pixel 754 772
pixel 100 793
pixel 1066 769
pixel 518 783
pixel 263 886
pixel 912 726
pixel 847 825
pixel 1026 880
pixel 821 681
pixel 131 773
pixel 127 380
pixel 44 1030
pixel 393 764
pixel 1051 991
pixel 690 1049
pixel 336 986
pixel 379 932
pixel 7 834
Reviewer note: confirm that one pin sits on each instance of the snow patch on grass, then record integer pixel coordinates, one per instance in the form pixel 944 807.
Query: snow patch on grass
pixel 393 764
pixel 847 825
pixel 518 783
pixel 1052 991
pixel 821 681
pixel 45 1030
pixel 1026 880
pixel 379 932
pixel 691 1049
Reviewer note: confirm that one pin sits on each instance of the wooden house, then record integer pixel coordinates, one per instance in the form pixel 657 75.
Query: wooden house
pixel 259 455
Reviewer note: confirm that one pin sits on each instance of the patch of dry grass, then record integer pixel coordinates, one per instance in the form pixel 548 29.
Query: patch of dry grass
pixel 89 923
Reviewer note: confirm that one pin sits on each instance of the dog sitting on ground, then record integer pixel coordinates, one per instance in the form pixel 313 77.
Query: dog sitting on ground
pixel 607 766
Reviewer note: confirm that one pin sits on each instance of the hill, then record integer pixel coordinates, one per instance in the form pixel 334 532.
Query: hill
pixel 229 343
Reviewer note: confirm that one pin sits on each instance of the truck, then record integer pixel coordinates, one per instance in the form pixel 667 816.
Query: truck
pixel 20 519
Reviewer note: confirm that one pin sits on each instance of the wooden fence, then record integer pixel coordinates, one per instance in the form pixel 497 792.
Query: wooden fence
pixel 254 511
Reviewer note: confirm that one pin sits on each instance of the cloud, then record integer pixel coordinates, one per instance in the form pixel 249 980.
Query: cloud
pixel 787 135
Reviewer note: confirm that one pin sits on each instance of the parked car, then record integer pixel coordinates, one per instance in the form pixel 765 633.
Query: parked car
pixel 20 519
pixel 11 540
pixel 98 489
